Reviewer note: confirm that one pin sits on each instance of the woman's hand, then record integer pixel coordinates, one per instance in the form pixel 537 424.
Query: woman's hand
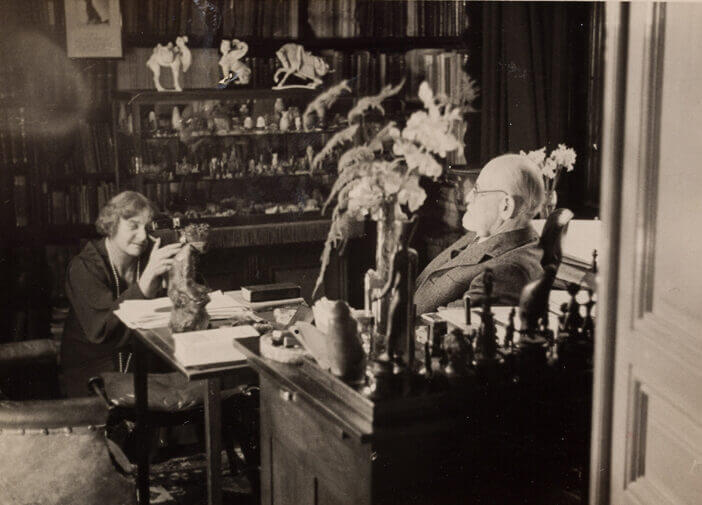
pixel 160 262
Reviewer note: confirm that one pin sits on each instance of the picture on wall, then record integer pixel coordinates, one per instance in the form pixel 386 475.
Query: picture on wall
pixel 93 29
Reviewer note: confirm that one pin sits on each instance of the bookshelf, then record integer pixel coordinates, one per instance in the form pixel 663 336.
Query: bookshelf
pixel 53 180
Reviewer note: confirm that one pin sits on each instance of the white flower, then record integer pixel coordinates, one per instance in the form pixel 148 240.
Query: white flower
pixel 411 194
pixel 364 197
pixel 548 168
pixel 564 157
pixel 537 156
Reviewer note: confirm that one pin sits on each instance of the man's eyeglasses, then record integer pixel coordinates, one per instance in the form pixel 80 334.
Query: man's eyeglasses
pixel 476 191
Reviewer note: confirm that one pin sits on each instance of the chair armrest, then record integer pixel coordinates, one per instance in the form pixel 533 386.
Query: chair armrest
pixel 49 414
pixel 29 351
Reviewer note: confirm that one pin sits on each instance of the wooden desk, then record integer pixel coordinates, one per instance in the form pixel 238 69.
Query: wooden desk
pixel 323 442
pixel 157 341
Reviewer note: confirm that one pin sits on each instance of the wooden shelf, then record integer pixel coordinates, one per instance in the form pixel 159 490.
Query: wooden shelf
pixel 252 133
pixel 269 46
pixel 192 95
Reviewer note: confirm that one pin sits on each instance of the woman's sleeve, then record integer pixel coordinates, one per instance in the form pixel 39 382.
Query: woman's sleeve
pixel 92 299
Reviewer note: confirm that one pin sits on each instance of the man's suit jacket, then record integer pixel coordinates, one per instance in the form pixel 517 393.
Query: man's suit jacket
pixel 513 256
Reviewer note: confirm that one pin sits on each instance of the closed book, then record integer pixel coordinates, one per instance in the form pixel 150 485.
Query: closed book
pixel 266 292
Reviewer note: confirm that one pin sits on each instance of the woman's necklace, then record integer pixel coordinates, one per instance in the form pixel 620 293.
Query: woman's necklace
pixel 123 366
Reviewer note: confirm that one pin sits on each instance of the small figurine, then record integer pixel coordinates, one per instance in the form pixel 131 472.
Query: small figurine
pixel 298 123
pixel 169 56
pixel 176 119
pixel 248 123
pixel 300 63
pixel 261 122
pixel 285 121
pixel 459 355
pixel 233 69
pixel 278 106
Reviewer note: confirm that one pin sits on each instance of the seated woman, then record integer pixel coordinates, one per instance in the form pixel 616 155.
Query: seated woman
pixel 122 266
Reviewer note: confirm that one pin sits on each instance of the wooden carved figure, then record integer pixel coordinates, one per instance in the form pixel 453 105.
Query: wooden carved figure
pixel 188 296
pixel 233 69
pixel 300 63
pixel 174 57
pixel 400 287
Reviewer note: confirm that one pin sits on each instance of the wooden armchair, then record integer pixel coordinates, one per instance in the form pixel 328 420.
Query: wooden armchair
pixel 54 450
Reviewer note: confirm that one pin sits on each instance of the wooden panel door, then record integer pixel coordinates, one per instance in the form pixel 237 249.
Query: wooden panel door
pixel 649 349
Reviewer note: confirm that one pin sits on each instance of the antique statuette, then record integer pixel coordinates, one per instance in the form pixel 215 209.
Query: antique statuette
pixel 189 298
pixel 174 57
pixel 234 71
pixel 300 63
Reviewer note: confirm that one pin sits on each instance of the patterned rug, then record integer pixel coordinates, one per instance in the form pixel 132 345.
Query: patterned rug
pixel 183 481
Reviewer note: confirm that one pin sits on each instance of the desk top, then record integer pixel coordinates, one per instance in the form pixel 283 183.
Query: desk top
pixel 160 341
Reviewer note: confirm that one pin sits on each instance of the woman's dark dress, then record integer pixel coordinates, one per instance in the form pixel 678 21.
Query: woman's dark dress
pixel 93 335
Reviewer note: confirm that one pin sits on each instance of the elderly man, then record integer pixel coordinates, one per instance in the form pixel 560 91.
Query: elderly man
pixel 506 196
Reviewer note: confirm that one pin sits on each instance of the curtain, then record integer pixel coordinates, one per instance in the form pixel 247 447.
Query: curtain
pixel 526 75
pixel 536 85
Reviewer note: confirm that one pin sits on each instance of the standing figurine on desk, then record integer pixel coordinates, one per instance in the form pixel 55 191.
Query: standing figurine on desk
pixel 189 298
pixel 486 339
pixel 400 287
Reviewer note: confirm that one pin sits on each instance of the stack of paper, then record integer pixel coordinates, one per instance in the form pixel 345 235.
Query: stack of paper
pixel 207 347
pixel 222 306
pixel 156 313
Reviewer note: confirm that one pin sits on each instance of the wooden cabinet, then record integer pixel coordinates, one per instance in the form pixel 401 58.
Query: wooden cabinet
pixel 322 442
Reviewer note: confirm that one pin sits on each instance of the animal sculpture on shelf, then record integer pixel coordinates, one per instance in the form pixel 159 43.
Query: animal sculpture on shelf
pixel 233 69
pixel 175 57
pixel 300 63
pixel 188 296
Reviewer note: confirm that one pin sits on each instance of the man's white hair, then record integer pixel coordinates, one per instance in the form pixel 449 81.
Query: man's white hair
pixel 522 178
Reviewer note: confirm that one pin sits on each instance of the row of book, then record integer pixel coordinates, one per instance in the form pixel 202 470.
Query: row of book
pixel 366 18
pixel 96 147
pixel 77 204
pixel 210 19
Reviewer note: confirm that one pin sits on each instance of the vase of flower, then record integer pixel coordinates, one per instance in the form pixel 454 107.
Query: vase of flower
pixel 551 168
pixel 379 179
pixel 550 203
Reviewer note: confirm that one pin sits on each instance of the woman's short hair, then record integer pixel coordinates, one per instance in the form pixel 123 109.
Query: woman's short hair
pixel 125 205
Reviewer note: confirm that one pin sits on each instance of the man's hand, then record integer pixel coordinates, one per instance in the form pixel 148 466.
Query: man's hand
pixel 160 262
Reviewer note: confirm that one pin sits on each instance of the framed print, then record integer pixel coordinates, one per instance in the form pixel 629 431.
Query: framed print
pixel 93 29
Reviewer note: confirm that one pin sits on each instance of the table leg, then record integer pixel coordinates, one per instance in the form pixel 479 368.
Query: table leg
pixel 213 436
pixel 142 428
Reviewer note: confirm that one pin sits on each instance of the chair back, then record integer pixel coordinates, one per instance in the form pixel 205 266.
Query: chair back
pixel 54 451
pixel 552 237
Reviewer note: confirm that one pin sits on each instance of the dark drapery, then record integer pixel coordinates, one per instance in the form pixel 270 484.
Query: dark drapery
pixel 536 74
pixel 534 66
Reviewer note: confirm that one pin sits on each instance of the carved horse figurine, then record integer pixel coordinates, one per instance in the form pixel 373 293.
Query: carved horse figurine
pixel 169 56
pixel 233 69
pixel 300 63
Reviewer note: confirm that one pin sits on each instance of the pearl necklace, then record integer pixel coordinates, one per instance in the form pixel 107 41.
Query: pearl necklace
pixel 123 367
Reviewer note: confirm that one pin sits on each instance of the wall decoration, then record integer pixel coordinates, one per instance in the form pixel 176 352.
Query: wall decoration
pixel 93 29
